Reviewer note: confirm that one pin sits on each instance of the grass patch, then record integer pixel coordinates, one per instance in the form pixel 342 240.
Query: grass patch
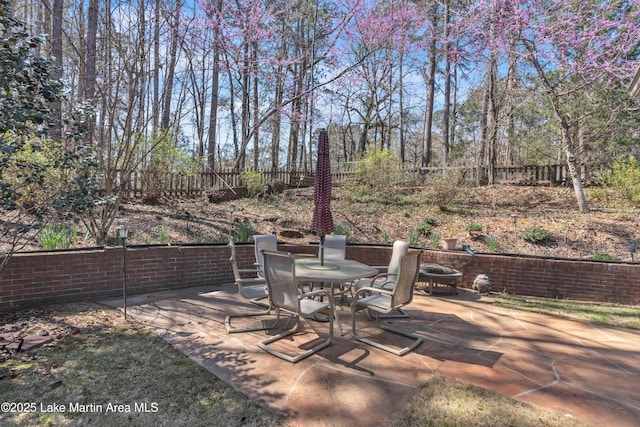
pixel 108 362
pixel 445 401
pixel 623 316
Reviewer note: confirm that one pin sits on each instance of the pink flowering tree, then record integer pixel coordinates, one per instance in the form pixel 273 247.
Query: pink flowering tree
pixel 570 45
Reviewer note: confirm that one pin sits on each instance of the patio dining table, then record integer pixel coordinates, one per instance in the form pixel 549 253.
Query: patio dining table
pixel 332 272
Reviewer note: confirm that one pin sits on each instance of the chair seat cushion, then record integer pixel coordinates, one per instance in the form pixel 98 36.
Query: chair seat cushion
pixel 254 291
pixel 377 302
pixel 310 306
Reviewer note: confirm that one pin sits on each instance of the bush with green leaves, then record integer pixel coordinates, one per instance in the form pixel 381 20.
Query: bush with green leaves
pixel 426 226
pixel 245 231
pixel 57 237
pixel 434 240
pixel 31 164
pixel 412 236
pixel 342 230
pixel 167 158
pixel 624 176
pixel 603 256
pixel 492 243
pixel 473 227
pixel 163 231
pixel 378 169
pixel 535 235
pixel 253 181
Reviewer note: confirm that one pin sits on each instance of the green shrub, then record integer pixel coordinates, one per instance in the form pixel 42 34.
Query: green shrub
pixel 341 230
pixel 473 227
pixel 426 226
pixel 253 180
pixel 57 237
pixel 386 237
pixel 602 256
pixel 492 243
pixel 624 176
pixel 412 236
pixel 378 169
pixel 535 235
pixel 245 231
pixel 163 231
pixel 434 240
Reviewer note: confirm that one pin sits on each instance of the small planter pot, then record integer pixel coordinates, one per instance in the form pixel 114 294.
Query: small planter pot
pixel 449 244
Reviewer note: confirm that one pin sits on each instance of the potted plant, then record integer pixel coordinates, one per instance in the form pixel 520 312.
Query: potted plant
pixel 449 241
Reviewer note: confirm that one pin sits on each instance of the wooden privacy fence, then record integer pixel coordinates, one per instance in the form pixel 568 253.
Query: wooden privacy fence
pixel 196 185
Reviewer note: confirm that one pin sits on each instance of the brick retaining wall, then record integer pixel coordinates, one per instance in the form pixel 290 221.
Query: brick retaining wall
pixel 45 277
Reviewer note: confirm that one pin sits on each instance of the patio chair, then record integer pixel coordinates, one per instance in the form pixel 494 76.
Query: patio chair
pixel 379 300
pixel 387 280
pixel 267 242
pixel 251 287
pixel 335 247
pixel 285 296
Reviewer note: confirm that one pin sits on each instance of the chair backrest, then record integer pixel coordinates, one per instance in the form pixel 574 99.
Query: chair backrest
pixel 335 247
pixel 268 242
pixel 234 263
pixel 407 276
pixel 400 249
pixel 279 272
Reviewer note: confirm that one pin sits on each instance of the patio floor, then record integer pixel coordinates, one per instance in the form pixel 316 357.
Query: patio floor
pixel 587 372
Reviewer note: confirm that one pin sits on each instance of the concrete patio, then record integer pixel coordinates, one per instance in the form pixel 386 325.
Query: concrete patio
pixel 587 372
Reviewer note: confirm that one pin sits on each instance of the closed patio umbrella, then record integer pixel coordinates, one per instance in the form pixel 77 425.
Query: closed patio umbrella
pixel 322 222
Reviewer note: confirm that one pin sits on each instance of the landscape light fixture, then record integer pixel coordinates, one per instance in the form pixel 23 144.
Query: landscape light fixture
pixel 123 234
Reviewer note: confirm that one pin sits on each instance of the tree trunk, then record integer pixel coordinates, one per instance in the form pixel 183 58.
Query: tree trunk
pixel 155 110
pixel 565 129
pixel 213 115
pixel 256 108
pixel 493 121
pixel 400 105
pixel 56 50
pixel 427 141
pixel 277 121
pixel 484 134
pixel 171 68
pixel 90 63
pixel 447 87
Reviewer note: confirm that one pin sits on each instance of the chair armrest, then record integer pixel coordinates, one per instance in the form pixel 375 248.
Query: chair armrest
pixel 371 289
pixel 379 276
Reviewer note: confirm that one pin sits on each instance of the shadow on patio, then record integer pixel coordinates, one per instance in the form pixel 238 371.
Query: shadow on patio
pixel 570 367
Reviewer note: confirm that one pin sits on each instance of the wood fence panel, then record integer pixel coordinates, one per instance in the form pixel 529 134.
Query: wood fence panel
pixel 183 185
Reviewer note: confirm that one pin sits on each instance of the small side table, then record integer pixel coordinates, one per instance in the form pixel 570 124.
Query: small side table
pixel 441 275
